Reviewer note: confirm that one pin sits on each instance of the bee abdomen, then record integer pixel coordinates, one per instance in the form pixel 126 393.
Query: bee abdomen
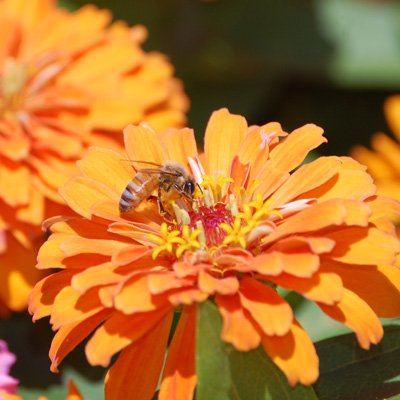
pixel 134 193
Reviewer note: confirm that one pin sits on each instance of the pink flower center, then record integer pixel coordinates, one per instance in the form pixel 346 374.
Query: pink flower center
pixel 211 218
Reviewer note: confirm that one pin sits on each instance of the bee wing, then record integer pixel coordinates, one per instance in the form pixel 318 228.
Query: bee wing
pixel 158 171
pixel 143 162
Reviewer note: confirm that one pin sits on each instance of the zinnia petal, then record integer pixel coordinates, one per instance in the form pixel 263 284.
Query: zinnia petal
pixel 179 377
pixel 294 354
pixel 269 310
pixel 358 316
pixel 120 382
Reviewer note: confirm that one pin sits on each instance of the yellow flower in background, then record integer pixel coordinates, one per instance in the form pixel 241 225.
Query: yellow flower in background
pixel 67 80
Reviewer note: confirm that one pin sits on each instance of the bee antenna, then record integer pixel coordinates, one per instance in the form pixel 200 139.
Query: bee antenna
pixel 200 188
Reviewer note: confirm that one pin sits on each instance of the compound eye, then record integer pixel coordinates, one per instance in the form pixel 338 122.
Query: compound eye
pixel 189 188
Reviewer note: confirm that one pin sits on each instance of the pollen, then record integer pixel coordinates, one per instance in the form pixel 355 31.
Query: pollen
pixel 167 240
pixel 175 241
pixel 215 187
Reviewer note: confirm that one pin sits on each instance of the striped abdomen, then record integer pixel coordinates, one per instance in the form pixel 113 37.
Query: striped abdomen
pixel 137 190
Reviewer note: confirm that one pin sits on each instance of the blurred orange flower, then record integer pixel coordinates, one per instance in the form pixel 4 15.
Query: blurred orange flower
pixel 67 80
pixel 260 221
pixel 383 161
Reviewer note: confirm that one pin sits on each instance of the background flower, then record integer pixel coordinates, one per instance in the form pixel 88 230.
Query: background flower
pixel 7 383
pixel 383 161
pixel 66 80
pixel 261 221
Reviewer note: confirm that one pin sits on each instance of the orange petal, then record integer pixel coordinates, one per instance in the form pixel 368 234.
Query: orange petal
pixel 143 93
pixel 302 265
pixel 118 332
pixel 114 113
pixel 391 109
pixel 383 206
pixel 53 174
pixel 81 193
pixel 187 297
pixel 68 337
pixel 225 286
pixel 254 148
pixel 14 183
pixel 70 306
pixel 160 118
pixel 18 272
pixel 272 313
pixel 239 173
pixel 160 282
pixel 143 144
pixel 62 144
pixel 358 245
pixel 106 166
pixel 268 264
pixel 271 178
pixel 180 144
pixel 15 148
pixel 120 383
pixel 238 327
pixel 294 354
pixel 33 213
pixel 50 255
pixel 378 167
pixel 107 210
pixel 387 148
pixel 379 286
pixel 129 254
pixel 358 316
pixel 78 245
pixel 317 245
pixel 73 392
pixel 112 58
pixel 306 178
pixel 224 134
pixel 324 287
pixel 95 276
pixel 293 149
pixel 133 295
pixel 179 377
pixel 358 212
pixel 43 294
pixel 30 13
pixel 310 219
pixel 351 182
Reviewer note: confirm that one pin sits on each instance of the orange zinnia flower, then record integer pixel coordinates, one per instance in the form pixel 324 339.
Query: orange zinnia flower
pixel 256 225
pixel 383 162
pixel 66 80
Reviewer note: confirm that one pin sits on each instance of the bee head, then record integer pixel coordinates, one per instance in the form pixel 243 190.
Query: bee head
pixel 189 187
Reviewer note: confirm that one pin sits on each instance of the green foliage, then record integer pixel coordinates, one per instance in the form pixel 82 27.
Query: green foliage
pixel 225 373
pixel 349 372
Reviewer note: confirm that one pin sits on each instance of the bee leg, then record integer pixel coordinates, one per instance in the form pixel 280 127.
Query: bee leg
pixel 182 192
pixel 163 212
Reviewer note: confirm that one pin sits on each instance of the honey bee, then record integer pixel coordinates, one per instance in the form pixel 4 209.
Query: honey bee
pixel 170 179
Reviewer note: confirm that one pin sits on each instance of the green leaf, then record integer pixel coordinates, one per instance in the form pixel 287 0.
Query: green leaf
pixel 347 371
pixel 365 37
pixel 227 374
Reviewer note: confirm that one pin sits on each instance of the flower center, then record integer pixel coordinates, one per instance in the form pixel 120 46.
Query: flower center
pixel 12 82
pixel 213 226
